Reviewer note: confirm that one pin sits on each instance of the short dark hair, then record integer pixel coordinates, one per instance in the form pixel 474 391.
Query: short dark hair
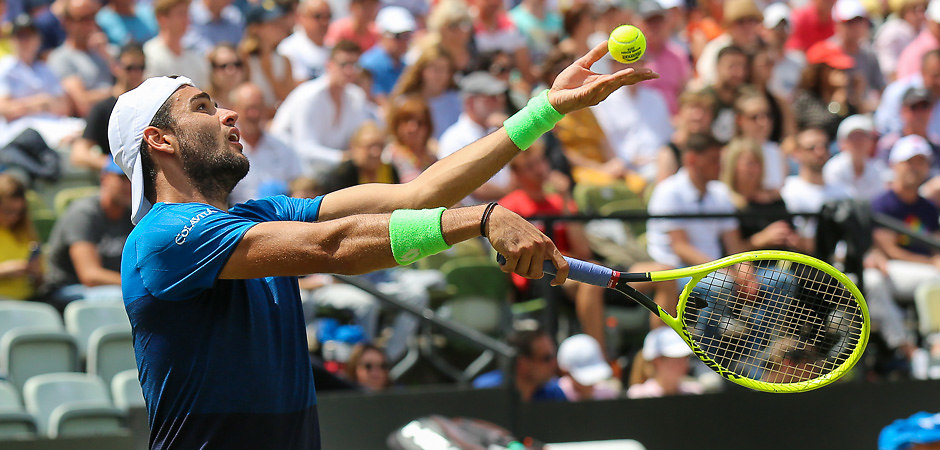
pixel 730 50
pixel 161 119
pixel 131 48
pixel 935 53
pixel 699 143
pixel 345 46
pixel 523 340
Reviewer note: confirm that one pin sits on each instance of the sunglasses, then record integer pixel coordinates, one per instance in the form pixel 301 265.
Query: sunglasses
pixel 235 64
pixel 758 116
pixel 371 366
pixel 323 16
pixel 134 68
pixel 922 106
pixel 404 35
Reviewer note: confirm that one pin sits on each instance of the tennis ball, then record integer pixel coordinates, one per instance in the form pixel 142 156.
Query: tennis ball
pixel 626 44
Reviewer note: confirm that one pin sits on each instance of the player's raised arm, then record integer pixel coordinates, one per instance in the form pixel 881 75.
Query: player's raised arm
pixel 367 242
pixel 451 179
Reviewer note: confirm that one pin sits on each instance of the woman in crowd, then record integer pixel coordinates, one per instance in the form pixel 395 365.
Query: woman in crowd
pixel 268 69
pixel 368 367
pixel 825 95
pixel 431 78
pixel 20 264
pixel 450 26
pixel 753 121
pixel 363 162
pixel 411 150
pixel 762 66
pixel 695 115
pixel 228 71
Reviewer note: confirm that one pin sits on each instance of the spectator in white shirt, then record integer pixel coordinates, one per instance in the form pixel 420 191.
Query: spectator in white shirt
pixel 27 86
pixel 320 116
pixel 484 109
pixel 165 53
pixel 306 48
pixel 272 161
pixel 854 167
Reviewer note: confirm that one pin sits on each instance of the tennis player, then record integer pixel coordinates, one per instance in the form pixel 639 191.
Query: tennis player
pixel 212 293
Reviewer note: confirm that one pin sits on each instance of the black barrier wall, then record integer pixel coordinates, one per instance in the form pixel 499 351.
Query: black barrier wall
pixel 843 416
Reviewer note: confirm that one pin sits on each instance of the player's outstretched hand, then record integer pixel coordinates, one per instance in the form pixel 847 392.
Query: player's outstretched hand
pixel 578 87
pixel 524 246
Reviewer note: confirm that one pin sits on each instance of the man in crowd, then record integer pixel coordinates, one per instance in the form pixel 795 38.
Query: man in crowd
pixel 320 115
pixel 812 23
pixel 916 107
pixel 854 167
pixel 731 73
pixel 535 378
pixel 888 118
pixel 166 54
pixel 743 19
pixel 662 55
pixel 82 62
pixel 306 48
pixel 125 21
pixel 213 22
pixel 385 60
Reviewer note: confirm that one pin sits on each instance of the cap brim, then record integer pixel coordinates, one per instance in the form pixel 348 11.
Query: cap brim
pixel 140 206
pixel 676 350
pixel 592 374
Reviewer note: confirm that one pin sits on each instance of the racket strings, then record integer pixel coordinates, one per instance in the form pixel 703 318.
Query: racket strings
pixel 774 321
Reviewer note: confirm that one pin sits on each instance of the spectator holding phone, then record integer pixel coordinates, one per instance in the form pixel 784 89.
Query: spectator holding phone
pixel 20 265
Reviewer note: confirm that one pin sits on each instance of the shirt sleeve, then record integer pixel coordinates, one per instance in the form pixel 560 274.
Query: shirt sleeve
pixel 279 208
pixel 185 249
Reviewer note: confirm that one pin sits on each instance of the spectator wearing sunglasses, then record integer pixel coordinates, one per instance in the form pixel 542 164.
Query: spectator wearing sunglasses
pixel 306 48
pixel 228 71
pixel 81 63
pixel 916 107
pixel 385 61
pixel 535 370
pixel 368 367
pixel 91 150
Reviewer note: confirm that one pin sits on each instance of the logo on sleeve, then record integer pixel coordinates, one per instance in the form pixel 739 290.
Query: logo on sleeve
pixel 181 236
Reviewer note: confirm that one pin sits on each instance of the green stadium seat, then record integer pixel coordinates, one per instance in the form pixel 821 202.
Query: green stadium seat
pixel 126 391
pixel 83 317
pixel 473 276
pixel 111 351
pixel 72 404
pixel 15 422
pixel 29 351
pixel 65 197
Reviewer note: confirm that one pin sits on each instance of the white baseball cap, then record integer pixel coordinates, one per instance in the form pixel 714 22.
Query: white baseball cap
pixel 933 11
pixel 133 112
pixel 581 356
pixel 395 19
pixel 776 13
pixel 663 341
pixel 846 10
pixel 854 123
pixel 908 147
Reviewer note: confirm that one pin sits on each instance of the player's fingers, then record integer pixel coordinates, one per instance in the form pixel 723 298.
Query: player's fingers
pixel 593 56
pixel 561 268
pixel 510 265
pixel 524 267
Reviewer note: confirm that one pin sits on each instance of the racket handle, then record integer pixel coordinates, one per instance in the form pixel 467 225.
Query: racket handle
pixel 578 270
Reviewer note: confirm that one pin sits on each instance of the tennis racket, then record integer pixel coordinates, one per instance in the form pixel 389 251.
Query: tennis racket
pixel 771 321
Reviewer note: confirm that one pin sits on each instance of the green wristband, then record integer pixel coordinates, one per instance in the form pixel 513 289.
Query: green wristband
pixel 416 233
pixel 531 122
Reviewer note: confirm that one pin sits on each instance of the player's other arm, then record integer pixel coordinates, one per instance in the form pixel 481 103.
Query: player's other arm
pixel 361 243
pixel 451 179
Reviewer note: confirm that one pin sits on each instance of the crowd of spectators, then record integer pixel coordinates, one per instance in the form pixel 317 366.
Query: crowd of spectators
pixel 761 106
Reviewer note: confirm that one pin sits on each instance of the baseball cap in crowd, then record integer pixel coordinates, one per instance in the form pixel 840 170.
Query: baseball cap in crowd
pixel 857 122
pixel 394 20
pixel 258 13
pixel 933 12
pixel 481 83
pixel 650 8
pixel 846 10
pixel 908 147
pixel 23 22
pixel 669 4
pixel 663 341
pixel 830 54
pixel 920 428
pixel 736 10
pixel 133 112
pixel 915 95
pixel 776 13
pixel 581 356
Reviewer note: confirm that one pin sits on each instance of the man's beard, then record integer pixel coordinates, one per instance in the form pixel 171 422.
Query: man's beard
pixel 213 171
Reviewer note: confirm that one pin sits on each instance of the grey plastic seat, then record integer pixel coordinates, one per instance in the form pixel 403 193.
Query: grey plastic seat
pixel 110 350
pixel 30 351
pixel 126 391
pixel 72 404
pixel 83 317
pixel 18 314
pixel 15 422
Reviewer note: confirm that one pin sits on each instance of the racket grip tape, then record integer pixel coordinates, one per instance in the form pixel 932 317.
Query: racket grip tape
pixel 578 270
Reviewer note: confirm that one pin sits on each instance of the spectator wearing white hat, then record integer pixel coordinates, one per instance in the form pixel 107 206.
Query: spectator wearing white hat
pixel 897 33
pixel 789 64
pixel 586 375
pixel 852 35
pixel 385 60
pixel 669 356
pixel 854 167
pixel 916 107
pixel 928 39
pixel 908 263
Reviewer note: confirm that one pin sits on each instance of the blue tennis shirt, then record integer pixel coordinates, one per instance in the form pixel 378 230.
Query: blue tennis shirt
pixel 223 363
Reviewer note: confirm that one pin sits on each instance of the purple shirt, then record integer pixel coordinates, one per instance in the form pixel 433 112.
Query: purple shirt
pixel 920 216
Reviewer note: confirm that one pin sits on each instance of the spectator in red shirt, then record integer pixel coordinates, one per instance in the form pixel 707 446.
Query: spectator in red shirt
pixel 811 23
pixel 358 27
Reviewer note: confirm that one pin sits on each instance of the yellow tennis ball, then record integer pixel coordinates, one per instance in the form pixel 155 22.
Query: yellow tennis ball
pixel 626 44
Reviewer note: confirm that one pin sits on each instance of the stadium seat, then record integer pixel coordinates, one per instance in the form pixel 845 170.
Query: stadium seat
pixel 473 276
pixel 110 351
pixel 29 351
pixel 126 391
pixel 592 199
pixel 15 422
pixel 83 317
pixel 71 404
pixel 927 302
pixel 65 197
pixel 15 314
